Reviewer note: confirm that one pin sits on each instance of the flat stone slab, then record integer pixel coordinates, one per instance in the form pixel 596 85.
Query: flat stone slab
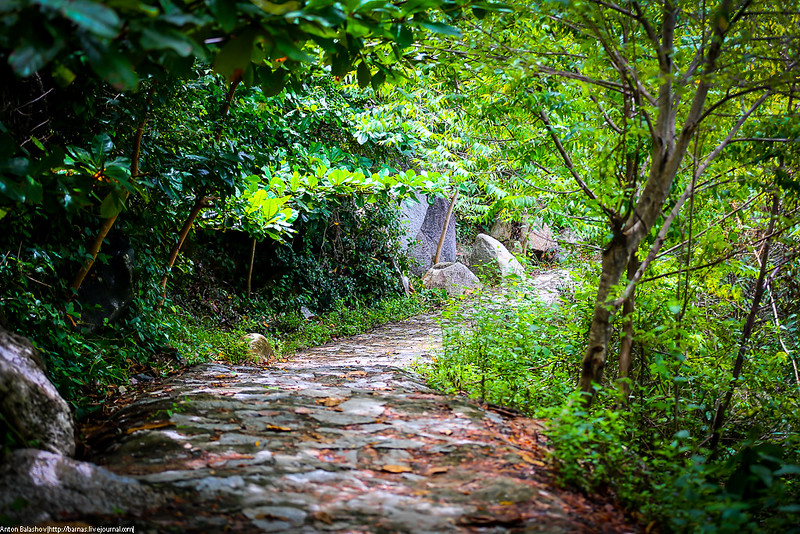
pixel 343 438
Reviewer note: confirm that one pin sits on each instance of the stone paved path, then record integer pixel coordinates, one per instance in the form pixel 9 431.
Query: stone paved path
pixel 340 439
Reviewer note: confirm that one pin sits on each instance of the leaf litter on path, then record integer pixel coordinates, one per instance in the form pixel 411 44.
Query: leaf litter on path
pixel 341 439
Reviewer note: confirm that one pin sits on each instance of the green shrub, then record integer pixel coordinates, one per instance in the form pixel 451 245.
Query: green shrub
pixel 649 451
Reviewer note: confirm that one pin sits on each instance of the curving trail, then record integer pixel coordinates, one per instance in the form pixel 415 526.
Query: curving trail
pixel 340 439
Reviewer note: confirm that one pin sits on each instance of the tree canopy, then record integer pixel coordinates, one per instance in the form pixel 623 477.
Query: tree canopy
pixel 658 139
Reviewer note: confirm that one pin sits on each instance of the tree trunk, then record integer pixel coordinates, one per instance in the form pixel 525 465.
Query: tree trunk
pixel 615 259
pixel 250 271
pixel 626 344
pixel 444 228
pixel 94 249
pixel 201 203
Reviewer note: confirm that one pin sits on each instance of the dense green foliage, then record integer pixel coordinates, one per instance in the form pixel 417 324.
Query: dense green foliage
pixel 651 452
pixel 659 137
pixel 145 110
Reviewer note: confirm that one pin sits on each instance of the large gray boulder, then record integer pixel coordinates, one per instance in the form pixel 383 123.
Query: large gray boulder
pixel 37 486
pixel 537 238
pixel 548 287
pixel 504 231
pixel 260 348
pixel 455 278
pixel 432 228
pixel 492 261
pixel 412 215
pixel 422 225
pixel 29 402
pixel 420 254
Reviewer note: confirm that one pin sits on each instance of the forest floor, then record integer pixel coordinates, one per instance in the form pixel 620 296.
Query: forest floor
pixel 341 438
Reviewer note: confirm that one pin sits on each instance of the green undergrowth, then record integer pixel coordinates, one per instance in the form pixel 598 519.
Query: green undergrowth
pixel 204 338
pixel 649 453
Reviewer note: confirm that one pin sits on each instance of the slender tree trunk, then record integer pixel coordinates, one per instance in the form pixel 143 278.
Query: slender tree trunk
pixel 747 331
pixel 199 204
pixel 444 228
pixel 226 106
pixel 626 344
pixel 202 200
pixel 250 271
pixel 615 259
pixel 94 249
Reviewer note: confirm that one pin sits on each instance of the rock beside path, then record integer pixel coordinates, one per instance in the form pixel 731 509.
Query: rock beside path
pixel 492 261
pixel 37 486
pixel 455 278
pixel 29 402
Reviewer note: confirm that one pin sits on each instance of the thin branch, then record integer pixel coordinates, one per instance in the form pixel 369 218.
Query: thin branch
pixel 715 224
pixel 780 338
pixel 721 146
pixel 605 115
pixel 718 260
pixel 615 7
pixel 624 68
pixel 649 30
pixel 763 140
pixel 568 162
pixel 612 86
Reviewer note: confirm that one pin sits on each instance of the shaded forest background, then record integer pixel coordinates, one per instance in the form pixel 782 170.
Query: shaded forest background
pixel 247 160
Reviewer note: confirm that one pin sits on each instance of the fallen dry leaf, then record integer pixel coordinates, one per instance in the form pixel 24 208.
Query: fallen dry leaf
pixel 436 470
pixel 330 402
pixel 392 468
pixel 277 428
pixel 530 459
pixel 357 373
pixel 323 517
pixel 149 426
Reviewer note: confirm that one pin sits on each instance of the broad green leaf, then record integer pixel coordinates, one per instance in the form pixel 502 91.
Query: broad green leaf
pixel 363 74
pixel 378 79
pixel 111 206
pixel 404 36
pixel 443 29
pixel 63 75
pixel 167 39
pixel 116 69
pixel 286 45
pixel 234 57
pixel 11 190
pixel 101 146
pixel 340 63
pixel 95 17
pixel 272 82
pixel 277 8
pixel 225 13
pixel 29 58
